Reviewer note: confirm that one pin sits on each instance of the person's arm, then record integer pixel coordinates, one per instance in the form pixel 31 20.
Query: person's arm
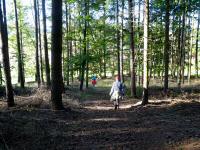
pixel 111 91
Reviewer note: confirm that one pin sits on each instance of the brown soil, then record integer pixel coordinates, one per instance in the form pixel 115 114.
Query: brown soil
pixel 169 123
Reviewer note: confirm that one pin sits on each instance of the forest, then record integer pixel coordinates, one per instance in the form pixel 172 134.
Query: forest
pixel 99 74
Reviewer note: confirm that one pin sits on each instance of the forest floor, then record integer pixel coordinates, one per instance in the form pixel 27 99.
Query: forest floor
pixel 171 122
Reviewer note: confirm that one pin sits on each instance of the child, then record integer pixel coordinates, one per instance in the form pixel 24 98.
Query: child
pixel 94 82
pixel 117 92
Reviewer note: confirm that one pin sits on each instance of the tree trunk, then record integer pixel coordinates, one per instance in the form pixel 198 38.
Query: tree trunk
pixel 40 44
pixel 118 38
pixel 197 41
pixel 190 52
pixel 180 54
pixel 132 49
pixel 138 58
pixel 182 59
pixel 70 45
pixel 1 75
pixel 56 55
pixel 5 55
pixel 47 68
pixel 104 40
pixel 84 61
pixel 67 40
pixel 145 59
pixel 167 48
pixel 122 44
pixel 20 70
pixel 36 45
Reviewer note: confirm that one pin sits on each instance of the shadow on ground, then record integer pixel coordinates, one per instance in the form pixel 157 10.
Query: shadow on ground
pixel 155 126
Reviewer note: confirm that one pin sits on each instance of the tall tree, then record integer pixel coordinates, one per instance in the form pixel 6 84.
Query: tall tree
pixel 183 42
pixel 67 43
pixel 20 67
pixel 197 41
pixel 84 55
pixel 118 38
pixel 5 55
pixel 167 48
pixel 56 56
pixel 47 68
pixel 122 44
pixel 132 49
pixel 145 59
pixel 40 42
pixel 36 45
pixel 104 40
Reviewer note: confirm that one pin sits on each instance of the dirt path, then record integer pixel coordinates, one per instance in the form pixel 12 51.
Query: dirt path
pixel 97 126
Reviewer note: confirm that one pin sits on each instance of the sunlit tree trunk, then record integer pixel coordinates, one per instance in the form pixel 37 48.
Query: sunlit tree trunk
pixel 183 43
pixel 118 37
pixel 1 75
pixel 36 45
pixel 47 68
pixel 122 44
pixel 104 40
pixel 145 59
pixel 40 44
pixel 19 52
pixel 197 41
pixel 56 56
pixel 5 55
pixel 84 54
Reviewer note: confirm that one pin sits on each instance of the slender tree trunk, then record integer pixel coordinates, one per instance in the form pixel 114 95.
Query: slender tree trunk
pixel 118 37
pixel 139 59
pixel 47 68
pixel 1 76
pixel 56 55
pixel 132 49
pixel 87 64
pixel 197 41
pixel 166 50
pixel 84 61
pixel 70 45
pixel 145 59
pixel 67 40
pixel 22 53
pixel 40 43
pixel 36 45
pixel 180 54
pixel 190 53
pixel 183 44
pixel 122 44
pixel 5 55
pixel 20 70
pixel 104 40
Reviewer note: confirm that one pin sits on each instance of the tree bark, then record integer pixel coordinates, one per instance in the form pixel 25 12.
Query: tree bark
pixel 84 61
pixel 132 50
pixel 122 45
pixel 56 56
pixel 118 38
pixel 36 45
pixel 40 44
pixel 197 41
pixel 20 70
pixel 104 40
pixel 167 48
pixel 47 68
pixel 5 55
pixel 145 59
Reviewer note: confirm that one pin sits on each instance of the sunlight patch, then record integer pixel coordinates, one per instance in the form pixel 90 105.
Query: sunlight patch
pixel 108 107
pixel 109 119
